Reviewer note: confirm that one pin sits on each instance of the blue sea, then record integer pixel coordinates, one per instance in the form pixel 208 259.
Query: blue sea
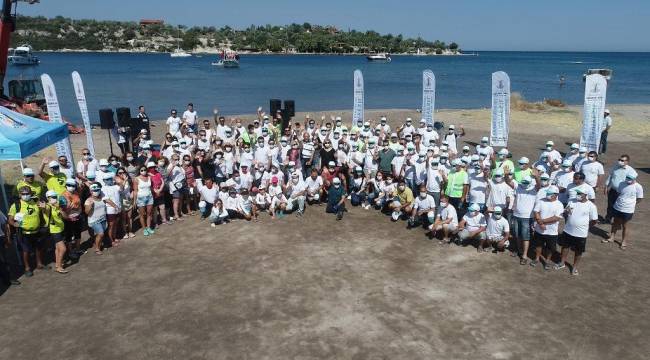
pixel 325 82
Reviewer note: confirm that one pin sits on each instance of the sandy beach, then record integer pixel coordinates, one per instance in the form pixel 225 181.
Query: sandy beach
pixel 362 288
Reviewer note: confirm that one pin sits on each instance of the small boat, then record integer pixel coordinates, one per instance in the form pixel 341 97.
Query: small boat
pixel 607 73
pixel 178 53
pixel 22 55
pixel 228 59
pixel 379 57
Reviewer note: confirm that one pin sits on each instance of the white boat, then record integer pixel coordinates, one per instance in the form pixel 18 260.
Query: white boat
pixel 179 53
pixel 228 59
pixel 378 57
pixel 22 55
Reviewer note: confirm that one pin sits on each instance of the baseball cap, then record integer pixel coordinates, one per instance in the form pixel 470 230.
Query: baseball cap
pixel 524 160
pixel 95 187
pixel 497 210
pixel 151 164
pixel 336 180
pixel 358 169
pixel 503 151
pixel 474 207
pixel 566 163
pixel 552 190
pixel 475 157
pixel 544 176
pixel 630 176
pixel 28 172
pixel 71 182
pixel 550 142
pixel 575 146
pixel 485 139
pixel 51 193
pixel 452 127
pixel 103 162
pixel 607 111
pixel 54 164
pixel 465 147
pixel 331 164
pixel 422 121
pixel 498 172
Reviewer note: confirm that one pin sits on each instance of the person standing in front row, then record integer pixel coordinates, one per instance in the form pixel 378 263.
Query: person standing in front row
pixel 548 214
pixel 336 199
pixel 616 177
pixel 607 124
pixel 581 214
pixel 630 193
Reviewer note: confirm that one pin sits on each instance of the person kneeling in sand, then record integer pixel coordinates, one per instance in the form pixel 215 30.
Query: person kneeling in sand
pixel 446 220
pixel 278 205
pixel 402 201
pixel 472 226
pixel 498 231
pixel 218 215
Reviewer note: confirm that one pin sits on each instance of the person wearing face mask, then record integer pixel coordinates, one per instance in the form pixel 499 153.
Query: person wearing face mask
pixel 485 148
pixel 579 182
pixel 54 179
pixel 544 181
pixel 522 214
pixel 188 192
pixel 131 164
pixel 580 215
pixel 102 172
pixel 113 192
pixel 523 169
pixel 262 153
pixel 336 199
pixel 423 206
pixel 208 191
pixel 446 221
pixel 53 215
pixel 582 157
pixel 143 198
pixel 616 177
pixel 95 208
pixel 607 124
pixel 87 164
pixel 472 227
pixel 573 154
pixel 37 187
pixel 502 162
pixel 177 181
pixel 478 186
pixel 630 193
pixel 296 189
pixel 593 170
pixel 25 218
pixel 435 178
pixel 457 185
pixel 548 214
pixel 451 138
pixel 500 194
pixel 358 186
pixel 497 231
pixel 429 135
pixel 403 200
pixel 554 156
pixel 563 178
pixel 72 218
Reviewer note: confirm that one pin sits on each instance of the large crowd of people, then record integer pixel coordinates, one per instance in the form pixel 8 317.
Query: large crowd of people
pixel 222 170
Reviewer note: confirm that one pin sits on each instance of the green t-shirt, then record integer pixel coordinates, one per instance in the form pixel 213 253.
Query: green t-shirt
pixel 31 216
pixel 55 219
pixel 520 174
pixel 55 182
pixel 503 165
pixel 385 160
pixel 455 184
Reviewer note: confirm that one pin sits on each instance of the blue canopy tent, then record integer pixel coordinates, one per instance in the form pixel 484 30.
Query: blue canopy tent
pixel 22 136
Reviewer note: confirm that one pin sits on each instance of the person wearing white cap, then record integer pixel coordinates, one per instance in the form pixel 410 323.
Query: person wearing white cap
pixel 314 187
pixel 582 157
pixel 86 164
pixel 423 205
pixel 358 186
pixel 580 215
pixel 296 189
pixel 102 172
pixel 497 231
pixel 500 194
pixel 54 179
pixel 457 185
pixel 38 188
pixel 72 221
pixel 53 215
pixel 113 192
pixel 554 156
pixel 593 170
pixel 607 124
pixel 336 199
pixel 95 208
pixel 562 179
pixel 616 177
pixel 522 214
pixel 502 162
pixel 630 193
pixel 383 123
pixel 472 226
pixel 451 137
pixel 478 184
pixel 407 128
pixel 548 214
pixel 543 163
pixel 544 181
pixel 573 154
pixel 403 200
pixel 429 135
pixel 465 156
pixel 366 130
pixel 25 219
pixel 485 148
pixel 446 220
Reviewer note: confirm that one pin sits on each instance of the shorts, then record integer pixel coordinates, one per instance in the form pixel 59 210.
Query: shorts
pixel 521 228
pixel 112 217
pixel 98 227
pixel 160 200
pixel 577 244
pixel 72 230
pixel 142 201
pixel 548 242
pixel 464 235
pixel 495 238
pixel 177 194
pixel 621 215
pixel 450 227
pixel 56 238
pixel 28 242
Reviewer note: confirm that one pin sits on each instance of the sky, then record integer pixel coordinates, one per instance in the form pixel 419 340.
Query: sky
pixel 524 25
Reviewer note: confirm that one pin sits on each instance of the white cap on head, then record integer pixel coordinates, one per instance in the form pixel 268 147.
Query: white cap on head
pixel 28 172
pixel 566 163
pixel 475 157
pixel 575 146
pixel 367 123
pixel 151 164
pixel 452 127
pixel 338 118
pixel 498 172
pixel 550 142
pixel 544 176
pixel 497 209
pixel 393 135
pixel 466 147
pixel 474 207
pixel 336 180
pixel 103 162
pixel 607 111
pixel 51 193
pixel 422 121
pixel 408 119
pixel 71 182
pixel 503 151
pixel 358 168
pixel 485 139
pixel 331 163
pixel 524 160
pixel 54 164
pixel 552 190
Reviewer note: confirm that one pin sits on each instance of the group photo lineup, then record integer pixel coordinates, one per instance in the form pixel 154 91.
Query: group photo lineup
pixel 178 183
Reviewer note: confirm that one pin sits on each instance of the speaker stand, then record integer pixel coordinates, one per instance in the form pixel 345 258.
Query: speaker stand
pixel 110 140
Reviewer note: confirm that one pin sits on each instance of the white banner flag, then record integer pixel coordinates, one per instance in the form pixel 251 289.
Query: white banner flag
pixel 83 107
pixel 500 109
pixel 594 109
pixel 428 96
pixel 63 147
pixel 357 110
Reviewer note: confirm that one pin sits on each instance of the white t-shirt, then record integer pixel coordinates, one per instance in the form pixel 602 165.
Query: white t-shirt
pixel 477 188
pixel 209 195
pixel 92 167
pixel 434 179
pixel 426 204
pixel 499 194
pixel 571 191
pixel 473 223
pixel 497 227
pixel 295 189
pixel 547 209
pixel 277 200
pixel 313 185
pixel 190 117
pixel 173 125
pixel 114 194
pixel 592 169
pixel 262 200
pixel 627 196
pixel 579 215
pixel 525 198
pixel 449 212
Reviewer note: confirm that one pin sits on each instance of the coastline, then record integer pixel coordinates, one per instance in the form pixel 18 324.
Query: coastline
pixel 218 51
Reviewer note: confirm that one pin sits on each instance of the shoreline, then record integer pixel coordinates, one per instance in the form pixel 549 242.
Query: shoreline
pixel 218 51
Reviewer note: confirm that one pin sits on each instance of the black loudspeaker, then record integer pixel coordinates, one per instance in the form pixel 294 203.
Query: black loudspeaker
pixel 290 107
pixel 285 119
pixel 123 116
pixel 274 106
pixel 106 119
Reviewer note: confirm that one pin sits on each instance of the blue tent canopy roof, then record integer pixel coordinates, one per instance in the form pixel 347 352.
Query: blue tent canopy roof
pixel 22 135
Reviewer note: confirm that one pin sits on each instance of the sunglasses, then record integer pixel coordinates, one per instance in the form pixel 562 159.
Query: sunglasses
pixel 86 153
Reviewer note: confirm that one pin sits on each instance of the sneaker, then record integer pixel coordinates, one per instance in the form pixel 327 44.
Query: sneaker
pixel 339 215
pixel 559 266
pixel 151 231
pixel 146 232
pixel 213 225
pixel 506 244
pixel 575 272
pixel 29 273
pixel 533 263
pixel 547 267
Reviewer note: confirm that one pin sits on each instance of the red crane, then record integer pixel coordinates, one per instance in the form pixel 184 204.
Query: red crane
pixel 7 26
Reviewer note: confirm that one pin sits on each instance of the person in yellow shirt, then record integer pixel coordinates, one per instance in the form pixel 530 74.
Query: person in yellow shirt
pixel 55 179
pixel 53 215
pixel 37 187
pixel 25 218
pixel 402 201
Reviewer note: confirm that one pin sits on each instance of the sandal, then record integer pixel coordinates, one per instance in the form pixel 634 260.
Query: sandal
pixel 523 261
pixel 61 271
pixel 623 246
pixel 98 252
pixel 131 235
pixel 606 240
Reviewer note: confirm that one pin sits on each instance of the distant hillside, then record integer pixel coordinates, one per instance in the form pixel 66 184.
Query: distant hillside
pixel 61 33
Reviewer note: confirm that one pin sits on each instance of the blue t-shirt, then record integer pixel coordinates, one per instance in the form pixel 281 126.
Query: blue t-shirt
pixel 334 195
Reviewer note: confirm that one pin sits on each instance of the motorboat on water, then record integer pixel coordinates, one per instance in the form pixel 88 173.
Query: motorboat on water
pixel 22 55
pixel 606 73
pixel 179 53
pixel 379 57
pixel 228 59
